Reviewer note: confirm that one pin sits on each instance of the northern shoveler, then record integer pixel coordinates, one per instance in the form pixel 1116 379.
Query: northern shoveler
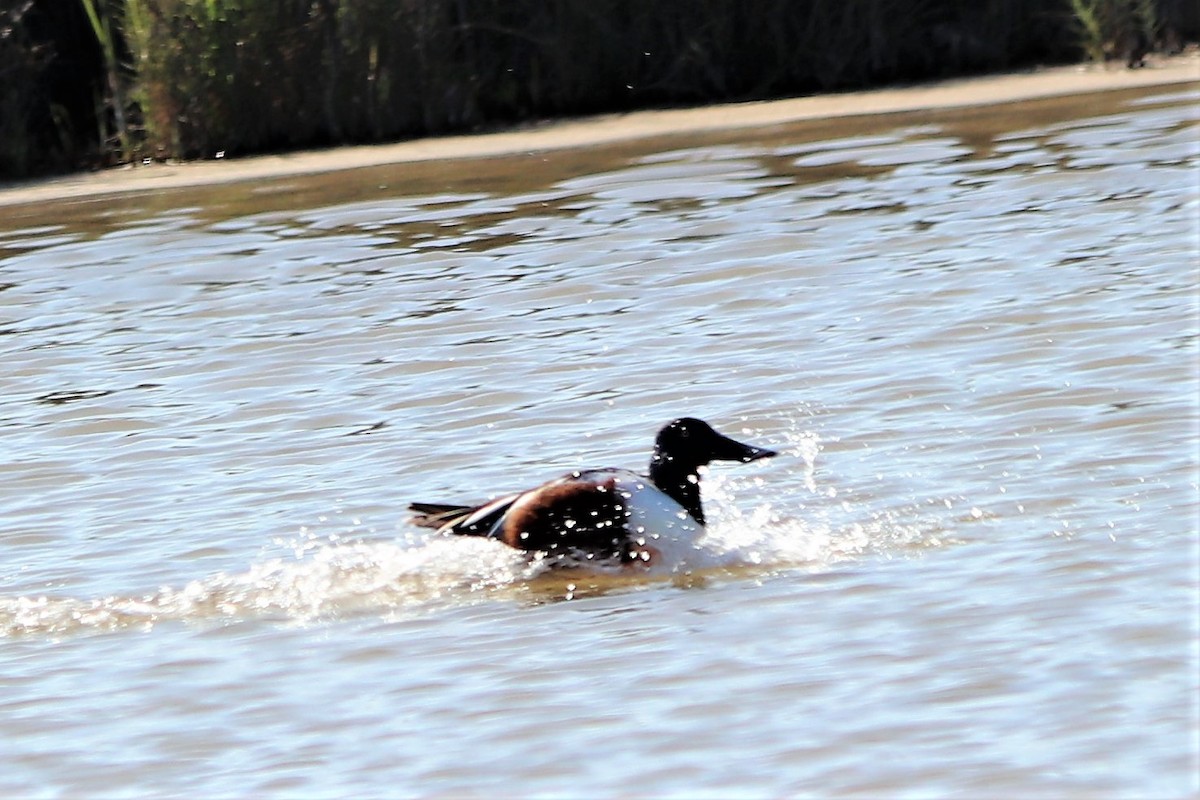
pixel 605 513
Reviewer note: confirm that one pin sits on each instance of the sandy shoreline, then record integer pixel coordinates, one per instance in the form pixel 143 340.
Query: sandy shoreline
pixel 612 128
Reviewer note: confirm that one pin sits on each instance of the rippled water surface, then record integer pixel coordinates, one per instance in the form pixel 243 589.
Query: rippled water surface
pixel 974 572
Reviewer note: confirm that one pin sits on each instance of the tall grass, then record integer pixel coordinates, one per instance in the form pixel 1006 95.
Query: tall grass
pixel 190 78
pixel 240 75
pixel 100 16
pixel 1092 36
pixel 20 63
pixel 1110 29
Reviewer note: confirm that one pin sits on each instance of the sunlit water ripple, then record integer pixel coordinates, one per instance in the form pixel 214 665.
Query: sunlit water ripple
pixel 974 572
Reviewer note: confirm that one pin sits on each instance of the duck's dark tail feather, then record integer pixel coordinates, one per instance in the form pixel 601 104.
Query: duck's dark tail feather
pixel 462 520
pixel 435 515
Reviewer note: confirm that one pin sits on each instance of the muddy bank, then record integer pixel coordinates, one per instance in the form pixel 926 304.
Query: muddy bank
pixel 607 129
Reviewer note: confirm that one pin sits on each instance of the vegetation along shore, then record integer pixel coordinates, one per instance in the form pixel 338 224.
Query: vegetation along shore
pixel 91 83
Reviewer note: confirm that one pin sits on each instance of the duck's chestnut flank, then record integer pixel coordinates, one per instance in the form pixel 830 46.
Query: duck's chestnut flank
pixel 586 514
pixel 604 513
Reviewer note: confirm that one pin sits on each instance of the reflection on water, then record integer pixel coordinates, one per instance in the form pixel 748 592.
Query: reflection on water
pixel 974 334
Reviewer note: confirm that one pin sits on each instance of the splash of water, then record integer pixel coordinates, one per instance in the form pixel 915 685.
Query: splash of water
pixel 332 577
pixel 326 581
pixel 828 528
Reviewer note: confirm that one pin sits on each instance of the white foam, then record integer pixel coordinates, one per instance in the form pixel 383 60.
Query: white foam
pixel 326 581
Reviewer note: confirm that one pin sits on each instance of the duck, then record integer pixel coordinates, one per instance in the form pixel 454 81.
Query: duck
pixel 605 514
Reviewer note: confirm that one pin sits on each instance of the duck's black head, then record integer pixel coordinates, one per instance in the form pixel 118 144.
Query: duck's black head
pixel 687 444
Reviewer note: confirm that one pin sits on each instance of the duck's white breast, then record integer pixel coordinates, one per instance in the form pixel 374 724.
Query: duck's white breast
pixel 655 518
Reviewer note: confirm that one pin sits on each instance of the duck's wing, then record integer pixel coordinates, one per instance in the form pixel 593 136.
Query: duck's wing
pixel 459 519
pixel 492 518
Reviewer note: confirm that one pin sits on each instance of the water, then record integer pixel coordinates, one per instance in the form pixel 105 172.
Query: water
pixel 974 573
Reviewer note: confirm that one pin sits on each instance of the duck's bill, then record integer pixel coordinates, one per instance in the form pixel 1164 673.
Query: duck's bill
pixel 755 453
pixel 731 450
